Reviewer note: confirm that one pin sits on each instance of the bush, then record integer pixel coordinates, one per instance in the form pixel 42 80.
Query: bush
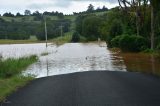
pixel 132 43
pixel 148 51
pixel 83 39
pixel 115 41
pixel 116 28
pixel 75 37
pixel 90 27
pixel 158 47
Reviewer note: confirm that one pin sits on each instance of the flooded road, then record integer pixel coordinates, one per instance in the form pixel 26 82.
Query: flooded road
pixel 79 57
pixel 76 57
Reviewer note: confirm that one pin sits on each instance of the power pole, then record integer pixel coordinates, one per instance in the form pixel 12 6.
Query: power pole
pixel 61 30
pixel 45 25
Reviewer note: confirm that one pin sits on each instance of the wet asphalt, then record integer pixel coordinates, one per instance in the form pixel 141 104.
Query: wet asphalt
pixel 94 88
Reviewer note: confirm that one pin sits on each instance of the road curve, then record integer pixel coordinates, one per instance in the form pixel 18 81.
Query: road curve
pixel 102 88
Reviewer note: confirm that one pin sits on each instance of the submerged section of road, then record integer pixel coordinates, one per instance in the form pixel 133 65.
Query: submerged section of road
pixel 76 57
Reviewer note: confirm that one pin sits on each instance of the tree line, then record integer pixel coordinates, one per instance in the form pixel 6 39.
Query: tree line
pixel 91 9
pixel 36 13
pixel 23 30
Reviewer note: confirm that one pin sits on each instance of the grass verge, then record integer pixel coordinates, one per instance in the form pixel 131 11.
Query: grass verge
pixel 64 39
pixel 2 41
pixel 45 54
pixel 10 75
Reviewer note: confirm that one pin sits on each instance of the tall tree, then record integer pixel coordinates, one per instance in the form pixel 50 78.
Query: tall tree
pixel 154 4
pixel 8 14
pixel 135 6
pixel 18 14
pixel 27 12
pixel 90 8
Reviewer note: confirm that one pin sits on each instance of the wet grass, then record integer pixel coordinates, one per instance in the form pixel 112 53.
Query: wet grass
pixel 10 85
pixel 10 74
pixel 2 41
pixel 64 39
pixel 45 54
pixel 11 67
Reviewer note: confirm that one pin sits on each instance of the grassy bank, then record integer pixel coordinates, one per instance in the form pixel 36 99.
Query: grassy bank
pixel 19 41
pixel 64 39
pixel 59 40
pixel 10 78
pixel 152 52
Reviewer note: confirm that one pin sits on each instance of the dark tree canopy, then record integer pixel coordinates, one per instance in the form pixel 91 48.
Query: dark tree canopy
pixel 90 8
pixel 27 12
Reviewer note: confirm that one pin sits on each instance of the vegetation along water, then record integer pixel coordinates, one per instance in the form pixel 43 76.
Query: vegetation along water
pixel 10 74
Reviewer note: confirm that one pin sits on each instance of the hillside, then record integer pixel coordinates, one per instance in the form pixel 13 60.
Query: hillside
pixel 25 27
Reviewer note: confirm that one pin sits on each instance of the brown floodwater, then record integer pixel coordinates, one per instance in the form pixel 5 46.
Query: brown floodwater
pixel 140 62
pixel 80 57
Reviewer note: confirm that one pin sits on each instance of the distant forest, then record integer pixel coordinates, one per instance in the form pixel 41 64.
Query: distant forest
pixel 21 27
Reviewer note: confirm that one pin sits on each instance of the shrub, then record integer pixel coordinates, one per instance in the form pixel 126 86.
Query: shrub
pixel 75 37
pixel 90 27
pixel 115 41
pixel 158 47
pixel 83 39
pixel 132 43
pixel 116 28
pixel 148 51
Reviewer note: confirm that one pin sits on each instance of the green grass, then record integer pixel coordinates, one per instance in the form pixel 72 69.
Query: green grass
pixel 10 74
pixel 64 39
pixel 18 19
pixel 31 18
pixel 45 54
pixel 11 67
pixel 10 85
pixel 4 41
pixel 101 13
pixel 153 52
pixel 70 17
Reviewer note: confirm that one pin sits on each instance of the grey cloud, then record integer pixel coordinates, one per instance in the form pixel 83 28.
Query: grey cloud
pixel 66 3
pixel 110 1
pixel 62 3
pixel 40 6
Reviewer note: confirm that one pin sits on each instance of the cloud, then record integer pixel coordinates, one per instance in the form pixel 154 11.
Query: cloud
pixel 109 1
pixel 67 3
pixel 40 5
pixel 63 3
pixel 66 6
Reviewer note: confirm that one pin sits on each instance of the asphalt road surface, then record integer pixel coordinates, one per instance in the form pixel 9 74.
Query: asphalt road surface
pixel 102 88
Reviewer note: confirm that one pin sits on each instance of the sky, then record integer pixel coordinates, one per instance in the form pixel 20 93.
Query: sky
pixel 65 6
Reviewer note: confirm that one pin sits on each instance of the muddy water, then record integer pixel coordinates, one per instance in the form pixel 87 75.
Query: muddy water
pixel 139 62
pixel 79 57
